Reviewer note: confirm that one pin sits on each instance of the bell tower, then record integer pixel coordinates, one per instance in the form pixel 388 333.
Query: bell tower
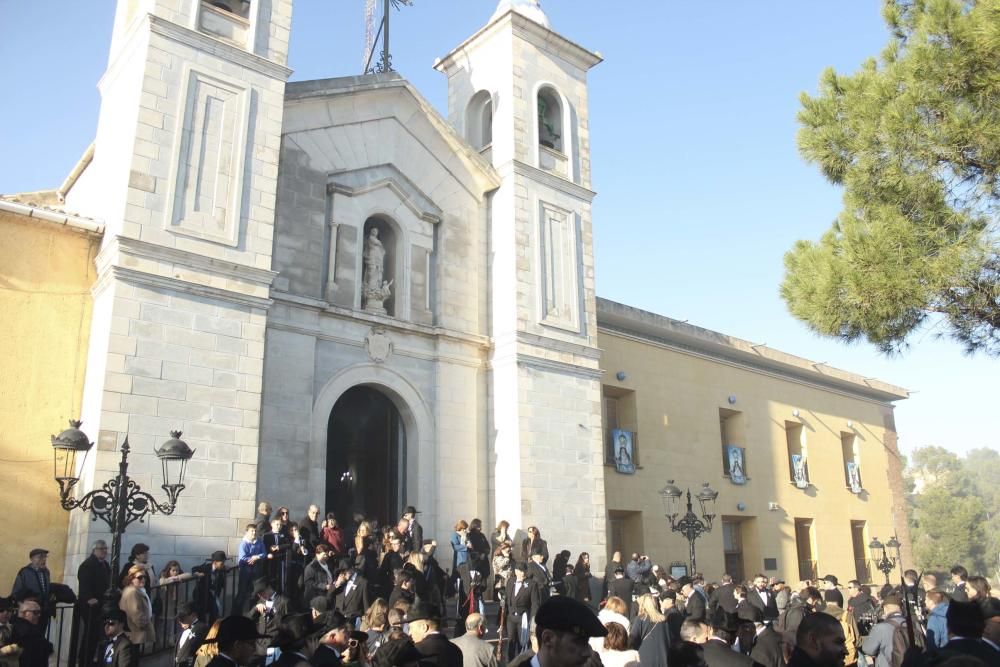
pixel 183 176
pixel 518 93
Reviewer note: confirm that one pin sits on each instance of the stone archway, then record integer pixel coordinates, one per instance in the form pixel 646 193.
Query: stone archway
pixel 420 477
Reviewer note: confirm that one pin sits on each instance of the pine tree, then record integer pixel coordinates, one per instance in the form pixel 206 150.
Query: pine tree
pixel 914 139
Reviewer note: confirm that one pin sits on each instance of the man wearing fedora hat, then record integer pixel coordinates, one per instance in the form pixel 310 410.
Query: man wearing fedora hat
pixel 425 629
pixel 333 641
pixel 831 592
pixel 237 640
pixel 117 650
pixel 267 614
pixel 192 635
pixel 211 587
pixel 563 628
pixel 297 639
pixel 719 647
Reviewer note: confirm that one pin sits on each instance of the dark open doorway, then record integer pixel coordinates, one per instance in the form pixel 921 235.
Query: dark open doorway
pixel 366 457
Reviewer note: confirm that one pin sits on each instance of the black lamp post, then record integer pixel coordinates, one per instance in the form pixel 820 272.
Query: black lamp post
pixel 689 525
pixel 885 556
pixel 120 501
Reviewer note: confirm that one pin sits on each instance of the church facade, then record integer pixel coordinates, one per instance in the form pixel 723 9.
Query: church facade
pixel 342 297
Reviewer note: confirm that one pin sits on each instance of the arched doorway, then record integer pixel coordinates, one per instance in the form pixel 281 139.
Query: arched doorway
pixel 366 457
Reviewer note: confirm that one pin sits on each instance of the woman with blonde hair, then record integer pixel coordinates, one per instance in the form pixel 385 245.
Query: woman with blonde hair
pixel 379 606
pixel 649 634
pixel 137 606
pixel 209 648
pixel 365 556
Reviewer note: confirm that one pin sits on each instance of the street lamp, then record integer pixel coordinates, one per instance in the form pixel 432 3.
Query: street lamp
pixel 689 525
pixel 120 501
pixel 885 556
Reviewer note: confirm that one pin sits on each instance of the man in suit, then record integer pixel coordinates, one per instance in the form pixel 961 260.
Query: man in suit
pixel 117 650
pixel 94 575
pixel 763 598
pixel 210 590
pixel 621 586
pixel 334 640
pixel 959 577
pixel 435 648
pixel 538 574
pixel 317 579
pixel 268 613
pixel 475 651
pixel 609 571
pixel 723 597
pixel 192 635
pixel 520 604
pixel 965 631
pixel 695 604
pixel 310 524
pixel 415 532
pixel 237 641
pixel 350 591
pixel 276 548
pixel 766 650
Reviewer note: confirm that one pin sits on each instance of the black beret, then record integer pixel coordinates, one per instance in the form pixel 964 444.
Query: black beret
pixel 566 614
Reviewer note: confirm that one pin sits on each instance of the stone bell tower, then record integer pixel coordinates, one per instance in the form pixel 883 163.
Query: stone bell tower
pixel 183 175
pixel 518 92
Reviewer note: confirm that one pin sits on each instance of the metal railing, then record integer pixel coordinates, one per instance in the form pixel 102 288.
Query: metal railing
pixel 72 626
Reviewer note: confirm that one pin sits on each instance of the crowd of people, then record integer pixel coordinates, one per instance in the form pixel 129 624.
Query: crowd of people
pixel 310 592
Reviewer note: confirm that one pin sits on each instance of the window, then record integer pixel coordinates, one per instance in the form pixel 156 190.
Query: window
pixel 808 567
pixel 798 470
pixel 861 570
pixel 852 467
pixel 550 125
pixel 240 8
pixel 731 430
pixel 479 120
pixel 619 410
pixel 732 546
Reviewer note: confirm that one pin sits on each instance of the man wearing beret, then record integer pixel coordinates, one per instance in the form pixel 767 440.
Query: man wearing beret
pixel 563 628
pixel 425 630
pixel 117 650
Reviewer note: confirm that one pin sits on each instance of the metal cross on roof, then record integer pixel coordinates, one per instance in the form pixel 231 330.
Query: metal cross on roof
pixel 371 37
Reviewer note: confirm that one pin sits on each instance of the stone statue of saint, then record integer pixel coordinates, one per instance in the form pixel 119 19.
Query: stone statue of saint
pixel 375 290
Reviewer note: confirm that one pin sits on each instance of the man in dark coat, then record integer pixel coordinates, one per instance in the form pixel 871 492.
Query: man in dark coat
pixel 210 591
pixel 267 614
pixel 94 575
pixel 621 586
pixel 333 642
pixel 819 642
pixel 117 650
pixel 695 604
pixel 965 627
pixel 723 597
pixel 609 571
pixel 350 592
pixel 430 643
pixel 766 650
pixel 831 592
pixel 193 632
pixel 309 527
pixel 537 573
pixel 29 633
pixel 434 576
pixel 237 640
pixel 521 602
pixel 763 598
pixel 317 579
pixel 34 580
pixel 415 532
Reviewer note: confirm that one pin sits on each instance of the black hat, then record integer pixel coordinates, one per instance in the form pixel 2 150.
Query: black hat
pixel 334 620
pixel 293 631
pixel 320 603
pixel 260 586
pixel 116 615
pixel 990 607
pixel 410 509
pixel 750 613
pixel 234 629
pixel 37 551
pixel 218 556
pixel 396 653
pixel 185 608
pixel 421 612
pixel 8 604
pixel 359 636
pixel 428 543
pixel 566 614
pixel 723 620
pixel 832 579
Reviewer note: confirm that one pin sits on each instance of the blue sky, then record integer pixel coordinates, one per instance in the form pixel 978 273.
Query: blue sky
pixel 700 187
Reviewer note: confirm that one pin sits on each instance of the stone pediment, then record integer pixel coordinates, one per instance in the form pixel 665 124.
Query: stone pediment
pixel 352 123
pixel 354 182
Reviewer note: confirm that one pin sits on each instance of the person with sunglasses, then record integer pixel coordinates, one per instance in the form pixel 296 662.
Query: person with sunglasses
pixel 29 633
pixel 136 604
pixel 118 650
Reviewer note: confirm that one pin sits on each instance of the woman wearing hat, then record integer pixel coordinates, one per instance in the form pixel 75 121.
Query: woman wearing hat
pixel 137 606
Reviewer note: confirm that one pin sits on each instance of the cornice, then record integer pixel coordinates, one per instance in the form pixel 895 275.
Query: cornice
pixel 221 267
pixel 545 178
pixel 136 277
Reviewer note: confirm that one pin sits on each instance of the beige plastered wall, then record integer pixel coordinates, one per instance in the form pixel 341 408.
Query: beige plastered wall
pixel 46 272
pixel 678 395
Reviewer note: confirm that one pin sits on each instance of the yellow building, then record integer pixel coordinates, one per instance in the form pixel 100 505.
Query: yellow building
pixel 48 269
pixel 686 393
